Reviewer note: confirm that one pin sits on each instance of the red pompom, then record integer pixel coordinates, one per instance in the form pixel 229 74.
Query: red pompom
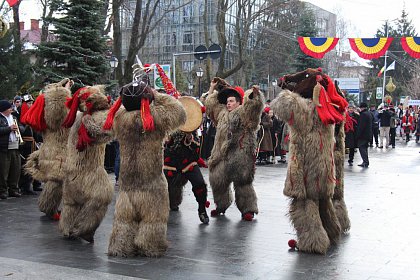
pixel 203 109
pixel 292 244
pixel 266 110
pixel 214 213
pixel 207 204
pixel 191 168
pixel 56 216
pixel 170 174
pixel 167 159
pixel 185 161
pixel 248 217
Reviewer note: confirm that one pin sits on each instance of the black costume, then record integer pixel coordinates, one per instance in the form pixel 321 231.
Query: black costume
pixel 181 165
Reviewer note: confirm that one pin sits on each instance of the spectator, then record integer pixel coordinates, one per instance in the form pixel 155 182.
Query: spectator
pixel 276 135
pixel 375 126
pixel 351 140
pixel 393 127
pixel 266 143
pixel 385 124
pixel 400 114
pixel 9 152
pixel 364 133
pixel 417 127
pixel 407 124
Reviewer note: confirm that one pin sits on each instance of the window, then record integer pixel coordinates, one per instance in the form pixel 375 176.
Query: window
pixel 188 38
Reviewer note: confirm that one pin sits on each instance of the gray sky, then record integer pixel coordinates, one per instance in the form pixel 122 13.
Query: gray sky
pixel 365 17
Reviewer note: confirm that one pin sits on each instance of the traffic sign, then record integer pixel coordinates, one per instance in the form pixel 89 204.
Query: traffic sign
pixel 215 51
pixel 200 52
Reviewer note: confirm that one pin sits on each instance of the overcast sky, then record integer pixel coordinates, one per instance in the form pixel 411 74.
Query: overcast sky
pixel 365 17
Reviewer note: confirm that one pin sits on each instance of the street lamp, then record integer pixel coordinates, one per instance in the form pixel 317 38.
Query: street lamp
pixel 200 74
pixel 190 87
pixel 113 62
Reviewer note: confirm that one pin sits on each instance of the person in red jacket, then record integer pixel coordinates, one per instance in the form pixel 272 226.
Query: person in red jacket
pixel 407 124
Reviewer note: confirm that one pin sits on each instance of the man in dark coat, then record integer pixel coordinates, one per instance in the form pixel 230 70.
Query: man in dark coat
pixel 351 140
pixel 364 133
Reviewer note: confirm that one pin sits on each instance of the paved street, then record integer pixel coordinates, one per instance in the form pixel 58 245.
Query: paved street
pixel 383 243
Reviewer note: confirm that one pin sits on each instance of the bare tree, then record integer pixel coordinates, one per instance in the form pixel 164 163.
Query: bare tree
pixel 147 16
pixel 242 18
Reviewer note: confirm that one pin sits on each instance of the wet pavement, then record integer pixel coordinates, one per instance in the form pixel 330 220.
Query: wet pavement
pixel 383 203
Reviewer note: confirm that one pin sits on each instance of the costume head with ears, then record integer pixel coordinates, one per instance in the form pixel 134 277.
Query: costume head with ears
pixel 315 85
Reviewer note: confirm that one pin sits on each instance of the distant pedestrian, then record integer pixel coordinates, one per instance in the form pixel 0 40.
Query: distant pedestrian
pixel 351 140
pixel 364 133
pixel 385 125
pixel 375 126
pixel 393 127
pixel 407 124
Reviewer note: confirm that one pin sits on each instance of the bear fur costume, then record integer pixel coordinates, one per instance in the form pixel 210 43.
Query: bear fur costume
pixel 142 207
pixel 311 174
pixel 339 155
pixel 233 155
pixel 87 190
pixel 47 164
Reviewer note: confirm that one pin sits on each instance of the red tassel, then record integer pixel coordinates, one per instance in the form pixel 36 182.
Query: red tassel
pixel 73 105
pixel 207 204
pixel 84 138
pixel 35 117
pixel 146 117
pixel 110 118
pixel 349 124
pixel 201 163
pixel 23 110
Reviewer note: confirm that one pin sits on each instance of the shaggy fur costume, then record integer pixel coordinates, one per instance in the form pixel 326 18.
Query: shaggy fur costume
pixel 311 174
pixel 338 198
pixel 142 207
pixel 233 155
pixel 87 190
pixel 46 164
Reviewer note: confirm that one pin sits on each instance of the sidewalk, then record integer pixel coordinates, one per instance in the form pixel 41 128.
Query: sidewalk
pixel 383 243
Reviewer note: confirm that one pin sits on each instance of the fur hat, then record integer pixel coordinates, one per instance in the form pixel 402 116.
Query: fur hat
pixel 225 90
pixel 86 100
pixel 5 105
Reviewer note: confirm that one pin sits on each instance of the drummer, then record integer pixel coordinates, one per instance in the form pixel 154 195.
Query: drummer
pixel 182 160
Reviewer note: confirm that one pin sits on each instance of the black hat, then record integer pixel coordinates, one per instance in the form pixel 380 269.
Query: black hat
pixel 364 105
pixel 4 105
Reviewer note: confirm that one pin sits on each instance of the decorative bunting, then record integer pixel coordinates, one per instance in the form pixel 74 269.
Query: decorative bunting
pixel 317 47
pixel 411 45
pixel 370 48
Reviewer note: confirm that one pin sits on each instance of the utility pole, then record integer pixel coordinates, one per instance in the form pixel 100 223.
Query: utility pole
pixel 386 55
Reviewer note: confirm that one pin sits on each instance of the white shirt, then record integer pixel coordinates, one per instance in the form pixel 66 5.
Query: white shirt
pixel 12 136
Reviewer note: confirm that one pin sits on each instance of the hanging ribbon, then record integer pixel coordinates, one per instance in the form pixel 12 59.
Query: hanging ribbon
pixel 411 45
pixel 370 48
pixel 317 47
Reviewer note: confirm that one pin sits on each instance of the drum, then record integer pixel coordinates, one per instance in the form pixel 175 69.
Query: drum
pixel 194 113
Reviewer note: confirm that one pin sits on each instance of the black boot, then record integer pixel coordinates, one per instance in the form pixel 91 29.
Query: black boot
pixel 203 216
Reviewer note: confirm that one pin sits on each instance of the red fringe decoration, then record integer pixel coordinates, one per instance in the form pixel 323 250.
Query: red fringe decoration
pixel 35 117
pixel 23 110
pixel 146 117
pixel 111 114
pixel 73 105
pixel 349 124
pixel 207 204
pixel 332 105
pixel 84 138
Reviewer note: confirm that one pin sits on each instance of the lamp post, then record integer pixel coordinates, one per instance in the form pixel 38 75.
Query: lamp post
pixel 190 87
pixel 113 62
pixel 200 74
pixel 274 83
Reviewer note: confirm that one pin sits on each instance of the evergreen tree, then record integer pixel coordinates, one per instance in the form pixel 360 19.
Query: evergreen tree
pixel 402 74
pixel 306 28
pixel 79 51
pixel 15 69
